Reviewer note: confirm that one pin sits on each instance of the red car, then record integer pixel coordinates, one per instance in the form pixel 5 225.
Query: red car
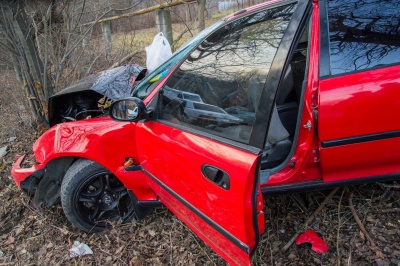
pixel 315 86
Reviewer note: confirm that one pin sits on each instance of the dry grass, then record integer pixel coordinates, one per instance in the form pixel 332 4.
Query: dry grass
pixel 139 39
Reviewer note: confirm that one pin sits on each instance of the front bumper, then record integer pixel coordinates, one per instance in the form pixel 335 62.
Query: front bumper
pixel 21 174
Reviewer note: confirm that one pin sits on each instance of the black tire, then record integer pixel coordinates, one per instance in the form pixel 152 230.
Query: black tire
pixel 91 197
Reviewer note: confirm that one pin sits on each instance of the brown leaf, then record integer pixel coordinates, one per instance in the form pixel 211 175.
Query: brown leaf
pixel 119 250
pixel 41 252
pixel 19 230
pixel 152 233
pixel 23 251
pixel 380 255
pixel 10 240
pixel 136 261
pixel 38 85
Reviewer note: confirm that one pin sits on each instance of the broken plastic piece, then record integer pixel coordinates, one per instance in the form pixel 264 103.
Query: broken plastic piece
pixel 317 244
pixel 3 151
pixel 11 139
pixel 79 249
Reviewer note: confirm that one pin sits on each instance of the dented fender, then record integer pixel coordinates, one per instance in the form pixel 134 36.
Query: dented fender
pixel 102 140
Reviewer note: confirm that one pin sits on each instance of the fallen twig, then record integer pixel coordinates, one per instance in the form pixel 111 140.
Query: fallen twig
pixel 112 255
pixel 309 220
pixel 338 229
pixel 358 221
pixel 390 210
pixel 389 186
pixel 126 58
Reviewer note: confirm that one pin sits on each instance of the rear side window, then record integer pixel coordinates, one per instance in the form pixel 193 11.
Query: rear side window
pixel 363 34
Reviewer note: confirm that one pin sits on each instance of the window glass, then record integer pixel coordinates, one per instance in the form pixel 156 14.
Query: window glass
pixel 363 34
pixel 150 81
pixel 218 86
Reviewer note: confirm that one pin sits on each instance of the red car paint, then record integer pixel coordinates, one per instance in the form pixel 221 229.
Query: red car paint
pixel 335 108
pixel 185 152
pixel 345 112
pixel 20 174
pixel 101 139
pixel 306 153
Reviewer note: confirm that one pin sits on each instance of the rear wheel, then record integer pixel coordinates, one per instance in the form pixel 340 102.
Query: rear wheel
pixel 91 197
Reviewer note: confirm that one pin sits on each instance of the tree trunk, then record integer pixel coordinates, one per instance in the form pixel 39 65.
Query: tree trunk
pixel 201 7
pixel 106 28
pixel 27 63
pixel 188 15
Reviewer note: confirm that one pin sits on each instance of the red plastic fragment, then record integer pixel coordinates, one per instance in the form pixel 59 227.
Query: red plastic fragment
pixel 317 244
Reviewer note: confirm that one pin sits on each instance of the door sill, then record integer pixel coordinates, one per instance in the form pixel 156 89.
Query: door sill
pixel 320 185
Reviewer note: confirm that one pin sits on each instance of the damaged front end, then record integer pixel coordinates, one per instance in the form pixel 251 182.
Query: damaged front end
pixel 91 96
pixel 87 98
pixel 27 178
pixel 41 184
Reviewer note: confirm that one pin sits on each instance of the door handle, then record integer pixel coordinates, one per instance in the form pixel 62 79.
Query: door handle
pixel 216 175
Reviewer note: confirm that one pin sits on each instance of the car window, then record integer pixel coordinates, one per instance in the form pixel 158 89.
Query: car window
pixel 152 79
pixel 222 78
pixel 363 34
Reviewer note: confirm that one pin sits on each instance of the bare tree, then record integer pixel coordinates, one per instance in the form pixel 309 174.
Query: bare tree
pixel 50 43
pixel 201 8
pixel 16 39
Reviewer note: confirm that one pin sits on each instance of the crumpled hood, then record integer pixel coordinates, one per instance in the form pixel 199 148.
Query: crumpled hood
pixel 115 83
pixel 90 96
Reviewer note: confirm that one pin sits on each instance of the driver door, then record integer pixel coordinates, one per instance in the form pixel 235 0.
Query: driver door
pixel 198 153
pixel 209 185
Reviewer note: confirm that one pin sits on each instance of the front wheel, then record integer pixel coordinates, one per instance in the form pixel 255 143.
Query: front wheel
pixel 91 197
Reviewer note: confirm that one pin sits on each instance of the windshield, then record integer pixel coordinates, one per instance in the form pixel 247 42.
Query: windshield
pixel 150 81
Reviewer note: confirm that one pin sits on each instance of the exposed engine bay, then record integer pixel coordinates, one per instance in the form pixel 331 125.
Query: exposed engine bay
pixel 91 96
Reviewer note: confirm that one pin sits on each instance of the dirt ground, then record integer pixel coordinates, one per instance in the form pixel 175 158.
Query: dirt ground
pixel 42 237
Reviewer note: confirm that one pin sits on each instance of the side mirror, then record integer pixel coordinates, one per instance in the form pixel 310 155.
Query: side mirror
pixel 129 109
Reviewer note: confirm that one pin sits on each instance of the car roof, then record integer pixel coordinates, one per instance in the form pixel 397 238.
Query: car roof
pixel 249 9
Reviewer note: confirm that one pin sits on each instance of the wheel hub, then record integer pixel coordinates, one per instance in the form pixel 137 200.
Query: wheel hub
pixel 107 199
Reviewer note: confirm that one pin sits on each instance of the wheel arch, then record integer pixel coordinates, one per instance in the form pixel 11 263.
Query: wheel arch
pixel 47 192
pixel 106 142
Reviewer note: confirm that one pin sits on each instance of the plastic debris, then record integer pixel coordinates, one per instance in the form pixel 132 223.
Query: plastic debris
pixel 11 139
pixel 79 249
pixel 1 253
pixel 317 244
pixel 3 151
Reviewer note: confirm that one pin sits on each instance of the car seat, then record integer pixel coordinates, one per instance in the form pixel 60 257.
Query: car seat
pixel 282 126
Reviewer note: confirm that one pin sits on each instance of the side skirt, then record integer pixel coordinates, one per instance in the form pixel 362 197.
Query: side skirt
pixel 320 185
